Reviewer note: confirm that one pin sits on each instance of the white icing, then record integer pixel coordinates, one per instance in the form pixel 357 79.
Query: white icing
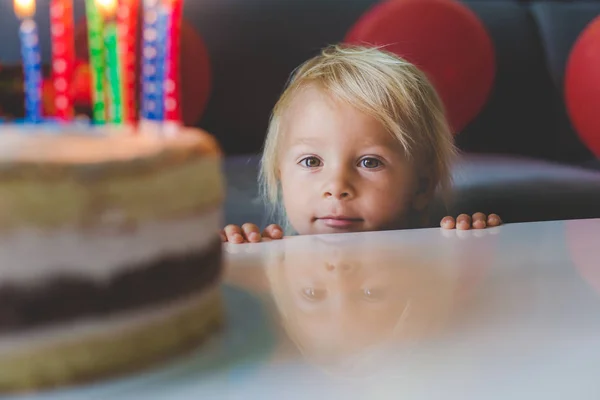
pixel 74 144
pixel 28 255
pixel 100 326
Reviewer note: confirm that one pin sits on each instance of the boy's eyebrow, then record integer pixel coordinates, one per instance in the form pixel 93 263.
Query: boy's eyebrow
pixel 306 140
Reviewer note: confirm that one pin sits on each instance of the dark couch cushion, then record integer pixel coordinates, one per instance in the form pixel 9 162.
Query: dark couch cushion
pixel 515 119
pixel 559 26
pixel 524 190
pixel 518 189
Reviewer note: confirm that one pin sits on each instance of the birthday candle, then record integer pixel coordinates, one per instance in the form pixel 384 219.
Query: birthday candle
pixel 163 29
pixel 95 27
pixel 30 53
pixel 63 55
pixel 172 86
pixel 153 48
pixel 127 18
pixel 108 8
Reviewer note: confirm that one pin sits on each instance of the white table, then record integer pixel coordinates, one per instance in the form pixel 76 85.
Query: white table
pixel 506 313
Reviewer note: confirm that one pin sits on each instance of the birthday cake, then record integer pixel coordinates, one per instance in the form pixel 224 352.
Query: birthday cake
pixel 110 257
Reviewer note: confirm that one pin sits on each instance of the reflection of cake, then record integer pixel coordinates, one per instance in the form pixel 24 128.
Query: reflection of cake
pixel 110 256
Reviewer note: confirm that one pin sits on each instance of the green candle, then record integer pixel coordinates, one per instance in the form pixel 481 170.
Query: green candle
pixel 95 27
pixel 113 74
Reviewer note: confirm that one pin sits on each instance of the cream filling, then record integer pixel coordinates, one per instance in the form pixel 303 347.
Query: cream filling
pixel 116 324
pixel 30 256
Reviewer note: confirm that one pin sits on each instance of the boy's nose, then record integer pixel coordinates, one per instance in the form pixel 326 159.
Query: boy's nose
pixel 337 194
pixel 339 189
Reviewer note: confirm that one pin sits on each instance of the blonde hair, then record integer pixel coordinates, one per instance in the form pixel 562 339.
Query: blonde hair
pixel 379 83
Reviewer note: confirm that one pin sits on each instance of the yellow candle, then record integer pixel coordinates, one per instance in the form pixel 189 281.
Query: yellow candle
pixel 108 8
pixel 24 8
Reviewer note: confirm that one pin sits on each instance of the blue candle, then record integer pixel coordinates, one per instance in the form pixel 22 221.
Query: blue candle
pixel 154 47
pixel 30 53
pixel 164 22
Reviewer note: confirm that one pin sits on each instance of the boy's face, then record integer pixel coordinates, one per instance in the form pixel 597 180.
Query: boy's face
pixel 340 170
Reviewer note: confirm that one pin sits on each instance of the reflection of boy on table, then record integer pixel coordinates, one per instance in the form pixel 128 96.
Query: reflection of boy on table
pixel 350 301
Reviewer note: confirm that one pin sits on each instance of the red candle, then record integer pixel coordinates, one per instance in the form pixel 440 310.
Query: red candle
pixel 127 27
pixel 63 56
pixel 172 92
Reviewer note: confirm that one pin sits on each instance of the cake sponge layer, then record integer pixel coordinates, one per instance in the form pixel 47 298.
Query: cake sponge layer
pixel 79 180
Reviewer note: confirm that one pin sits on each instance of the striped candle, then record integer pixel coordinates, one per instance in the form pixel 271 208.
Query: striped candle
pixel 63 56
pixel 172 85
pixel 153 50
pixel 95 26
pixel 127 19
pixel 32 60
pixel 163 27
pixel 113 74
pixel 32 69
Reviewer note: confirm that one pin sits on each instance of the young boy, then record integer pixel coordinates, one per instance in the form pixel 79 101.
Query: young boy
pixel 358 141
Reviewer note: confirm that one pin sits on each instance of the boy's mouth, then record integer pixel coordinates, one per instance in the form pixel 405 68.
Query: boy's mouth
pixel 339 221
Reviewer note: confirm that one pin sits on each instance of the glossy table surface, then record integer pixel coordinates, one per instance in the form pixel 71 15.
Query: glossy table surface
pixel 505 313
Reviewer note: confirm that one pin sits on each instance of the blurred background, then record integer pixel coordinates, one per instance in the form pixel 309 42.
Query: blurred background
pixel 520 80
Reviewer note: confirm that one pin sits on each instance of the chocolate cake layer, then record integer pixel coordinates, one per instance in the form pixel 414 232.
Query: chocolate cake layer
pixel 68 298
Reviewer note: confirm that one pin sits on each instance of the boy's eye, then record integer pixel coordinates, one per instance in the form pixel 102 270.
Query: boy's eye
pixel 310 162
pixel 370 163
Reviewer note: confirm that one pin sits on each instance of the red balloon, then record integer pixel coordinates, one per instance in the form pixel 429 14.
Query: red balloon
pixel 446 40
pixel 195 74
pixel 582 86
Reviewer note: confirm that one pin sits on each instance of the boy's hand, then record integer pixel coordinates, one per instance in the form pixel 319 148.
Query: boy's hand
pixel 249 233
pixel 465 222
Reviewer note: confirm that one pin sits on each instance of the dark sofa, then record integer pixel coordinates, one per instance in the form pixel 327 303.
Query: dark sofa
pixel 521 157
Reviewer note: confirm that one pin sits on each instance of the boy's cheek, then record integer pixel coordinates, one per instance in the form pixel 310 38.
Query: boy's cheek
pixel 385 210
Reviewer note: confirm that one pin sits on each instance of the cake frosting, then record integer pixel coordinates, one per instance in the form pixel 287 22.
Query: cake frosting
pixel 110 255
pixel 86 146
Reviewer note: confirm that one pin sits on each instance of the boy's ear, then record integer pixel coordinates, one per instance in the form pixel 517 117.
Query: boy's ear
pixel 424 193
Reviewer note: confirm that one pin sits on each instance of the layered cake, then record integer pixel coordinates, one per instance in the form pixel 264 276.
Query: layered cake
pixel 110 256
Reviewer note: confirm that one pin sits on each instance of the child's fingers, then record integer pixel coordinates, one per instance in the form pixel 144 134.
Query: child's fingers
pixel 479 220
pixel 463 222
pixel 234 234
pixel 448 223
pixel 479 216
pixel 479 224
pixel 494 220
pixel 223 235
pixel 273 231
pixel 251 233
